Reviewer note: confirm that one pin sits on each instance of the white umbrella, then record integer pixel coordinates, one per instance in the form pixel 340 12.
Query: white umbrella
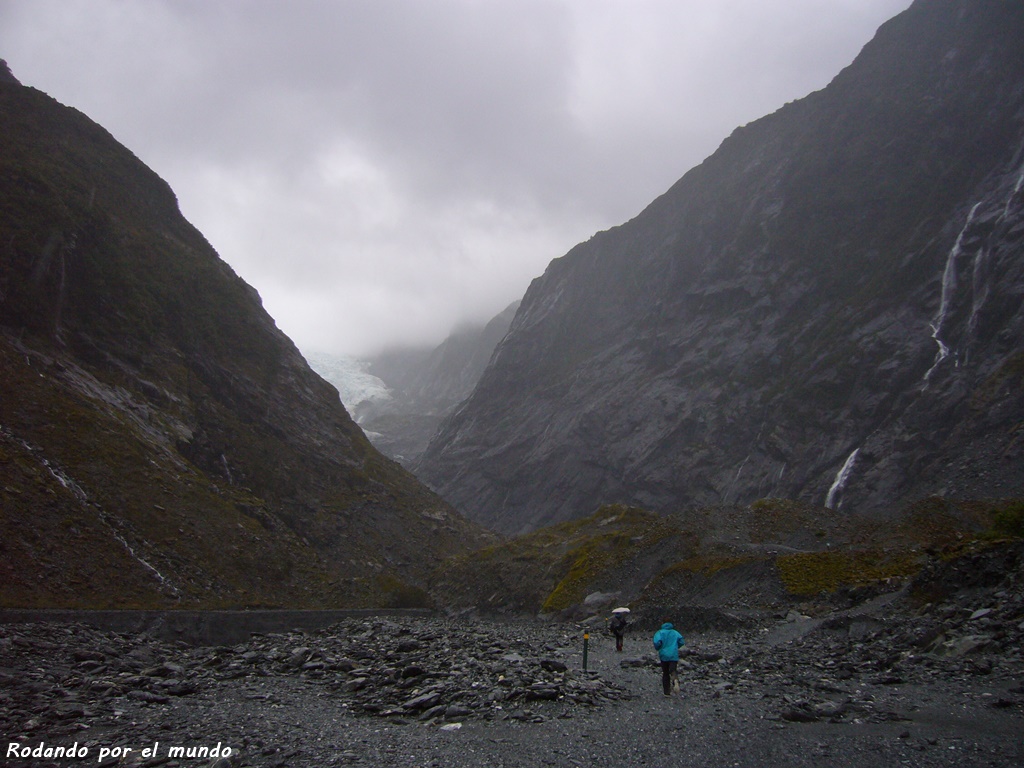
pixel 620 610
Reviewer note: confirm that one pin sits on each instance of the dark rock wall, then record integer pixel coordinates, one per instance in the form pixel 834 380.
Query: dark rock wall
pixel 783 306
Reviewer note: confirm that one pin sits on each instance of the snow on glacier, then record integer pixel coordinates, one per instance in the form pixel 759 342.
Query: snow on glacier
pixel 357 386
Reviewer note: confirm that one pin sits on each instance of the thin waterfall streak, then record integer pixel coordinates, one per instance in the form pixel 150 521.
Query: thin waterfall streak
pixel 736 479
pixel 841 477
pixel 778 479
pixel 979 291
pixel 941 355
pixel 949 273
pixel 80 495
pixel 124 543
pixel 946 296
pixel 1016 191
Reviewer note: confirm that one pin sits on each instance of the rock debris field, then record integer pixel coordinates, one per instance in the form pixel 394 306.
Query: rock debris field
pixel 883 682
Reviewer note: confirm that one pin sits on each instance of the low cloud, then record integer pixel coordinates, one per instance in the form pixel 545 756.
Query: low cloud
pixel 382 171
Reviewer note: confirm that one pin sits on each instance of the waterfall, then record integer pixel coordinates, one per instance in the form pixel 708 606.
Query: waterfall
pixel 227 469
pixel 67 482
pixel 980 288
pixel 76 490
pixel 124 543
pixel 841 477
pixel 732 486
pixel 948 290
pixel 778 479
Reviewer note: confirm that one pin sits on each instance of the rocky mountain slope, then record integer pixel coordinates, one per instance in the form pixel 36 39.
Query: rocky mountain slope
pixel 828 309
pixel 161 441
pixel 714 567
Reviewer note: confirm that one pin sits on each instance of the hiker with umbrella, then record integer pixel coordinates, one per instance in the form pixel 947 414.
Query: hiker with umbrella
pixel 618 626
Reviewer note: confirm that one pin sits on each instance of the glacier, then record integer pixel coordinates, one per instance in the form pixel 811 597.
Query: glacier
pixel 359 389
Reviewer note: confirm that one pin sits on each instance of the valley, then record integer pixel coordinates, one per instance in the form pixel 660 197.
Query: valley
pixel 782 407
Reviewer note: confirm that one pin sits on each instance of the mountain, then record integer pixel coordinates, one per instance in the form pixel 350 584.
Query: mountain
pixel 828 309
pixel 162 443
pixel 418 386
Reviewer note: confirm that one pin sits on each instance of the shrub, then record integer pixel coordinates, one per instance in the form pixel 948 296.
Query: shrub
pixel 809 573
pixel 1009 521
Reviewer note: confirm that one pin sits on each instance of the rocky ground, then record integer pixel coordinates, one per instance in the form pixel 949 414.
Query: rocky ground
pixel 880 680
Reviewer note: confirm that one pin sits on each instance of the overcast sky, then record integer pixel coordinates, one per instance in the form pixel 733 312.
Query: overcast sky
pixel 380 170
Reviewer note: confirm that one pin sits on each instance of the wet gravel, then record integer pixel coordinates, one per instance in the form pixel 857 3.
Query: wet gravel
pixel 432 692
pixel 880 681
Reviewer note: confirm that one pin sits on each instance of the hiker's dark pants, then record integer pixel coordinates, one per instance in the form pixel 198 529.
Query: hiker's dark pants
pixel 668 671
pixel 618 642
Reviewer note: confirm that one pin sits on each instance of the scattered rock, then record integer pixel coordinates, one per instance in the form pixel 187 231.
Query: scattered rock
pixel 60 682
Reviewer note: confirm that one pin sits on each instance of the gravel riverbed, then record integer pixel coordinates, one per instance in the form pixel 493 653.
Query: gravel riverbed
pixel 866 679
pixel 843 691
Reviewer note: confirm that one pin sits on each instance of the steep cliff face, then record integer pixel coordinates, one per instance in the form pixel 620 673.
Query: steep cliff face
pixel 161 441
pixel 828 309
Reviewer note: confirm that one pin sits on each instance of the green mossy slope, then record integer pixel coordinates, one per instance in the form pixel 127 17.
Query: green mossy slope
pixel 764 556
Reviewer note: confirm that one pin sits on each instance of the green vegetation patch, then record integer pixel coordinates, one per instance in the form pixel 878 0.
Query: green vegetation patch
pixel 809 573
pixel 773 519
pixel 554 568
pixel 705 565
pixel 697 570
pixel 630 531
pixel 1008 520
pixel 392 592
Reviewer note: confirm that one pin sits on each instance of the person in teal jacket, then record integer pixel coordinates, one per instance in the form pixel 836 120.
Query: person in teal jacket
pixel 668 642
